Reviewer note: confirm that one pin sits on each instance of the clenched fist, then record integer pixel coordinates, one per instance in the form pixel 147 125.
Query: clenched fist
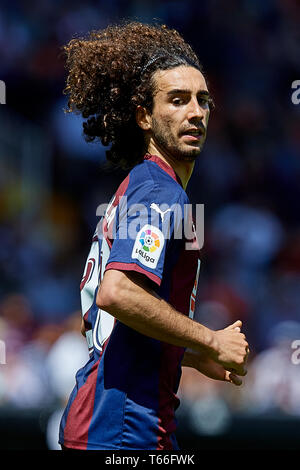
pixel 231 349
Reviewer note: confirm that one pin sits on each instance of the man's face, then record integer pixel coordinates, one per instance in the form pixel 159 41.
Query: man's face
pixel 180 112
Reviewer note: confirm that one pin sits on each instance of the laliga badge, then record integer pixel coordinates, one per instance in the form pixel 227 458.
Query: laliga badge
pixel 148 246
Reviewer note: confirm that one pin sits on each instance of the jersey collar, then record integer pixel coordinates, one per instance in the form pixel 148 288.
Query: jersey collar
pixel 164 166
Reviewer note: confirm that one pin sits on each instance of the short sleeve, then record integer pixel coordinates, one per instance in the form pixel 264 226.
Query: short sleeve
pixel 144 227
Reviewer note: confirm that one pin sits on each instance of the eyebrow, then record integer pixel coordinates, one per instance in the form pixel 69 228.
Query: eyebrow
pixel 204 93
pixel 186 91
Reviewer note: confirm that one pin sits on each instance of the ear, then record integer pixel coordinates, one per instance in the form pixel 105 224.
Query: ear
pixel 143 118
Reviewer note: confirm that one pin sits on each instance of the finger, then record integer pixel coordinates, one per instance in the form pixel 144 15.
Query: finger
pixel 238 371
pixel 234 379
pixel 247 353
pixel 237 324
pixel 242 372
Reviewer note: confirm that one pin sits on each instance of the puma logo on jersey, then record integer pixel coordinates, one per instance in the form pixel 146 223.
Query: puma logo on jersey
pixel 157 209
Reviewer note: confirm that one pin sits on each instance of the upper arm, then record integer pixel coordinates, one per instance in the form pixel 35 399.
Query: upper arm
pixel 108 288
pixel 143 228
pixel 116 286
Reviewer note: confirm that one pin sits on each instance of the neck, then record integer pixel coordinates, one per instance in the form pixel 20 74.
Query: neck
pixel 182 168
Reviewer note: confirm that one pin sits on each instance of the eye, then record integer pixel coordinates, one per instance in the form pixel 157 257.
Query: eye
pixel 177 101
pixel 203 101
pixel 206 101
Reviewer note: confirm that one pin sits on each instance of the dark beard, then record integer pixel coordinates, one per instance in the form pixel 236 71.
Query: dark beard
pixel 162 139
pixel 186 156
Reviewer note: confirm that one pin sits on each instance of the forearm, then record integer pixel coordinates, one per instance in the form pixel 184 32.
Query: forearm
pixel 127 297
pixel 142 310
pixel 193 359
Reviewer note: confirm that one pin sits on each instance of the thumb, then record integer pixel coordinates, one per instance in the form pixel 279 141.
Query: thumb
pixel 235 326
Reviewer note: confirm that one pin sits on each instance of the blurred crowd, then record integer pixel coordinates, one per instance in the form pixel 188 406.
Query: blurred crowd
pixel 247 177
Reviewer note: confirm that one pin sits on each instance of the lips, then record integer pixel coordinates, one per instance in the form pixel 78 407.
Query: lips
pixel 193 132
pixel 193 135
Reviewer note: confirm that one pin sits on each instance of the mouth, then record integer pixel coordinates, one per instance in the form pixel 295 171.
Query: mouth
pixel 193 134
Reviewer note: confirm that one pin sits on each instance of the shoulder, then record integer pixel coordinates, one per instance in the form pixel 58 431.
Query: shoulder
pixel 147 181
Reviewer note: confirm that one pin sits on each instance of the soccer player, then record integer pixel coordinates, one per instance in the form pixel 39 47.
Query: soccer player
pixel 142 90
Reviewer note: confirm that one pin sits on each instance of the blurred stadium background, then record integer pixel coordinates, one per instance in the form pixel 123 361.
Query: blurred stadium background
pixel 248 177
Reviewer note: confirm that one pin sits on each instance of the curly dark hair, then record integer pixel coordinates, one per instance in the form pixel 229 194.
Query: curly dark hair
pixel 109 75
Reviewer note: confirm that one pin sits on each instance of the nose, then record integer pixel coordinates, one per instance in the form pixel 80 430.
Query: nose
pixel 195 111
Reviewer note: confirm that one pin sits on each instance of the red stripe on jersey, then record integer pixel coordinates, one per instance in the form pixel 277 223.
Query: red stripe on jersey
pixel 133 267
pixel 106 235
pixel 121 190
pixel 167 168
pixel 183 280
pixel 168 401
pixel 182 283
pixel 81 411
pixel 108 231
pixel 89 272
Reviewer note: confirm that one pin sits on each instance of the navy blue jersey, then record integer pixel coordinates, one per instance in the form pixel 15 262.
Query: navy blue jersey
pixel 125 396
